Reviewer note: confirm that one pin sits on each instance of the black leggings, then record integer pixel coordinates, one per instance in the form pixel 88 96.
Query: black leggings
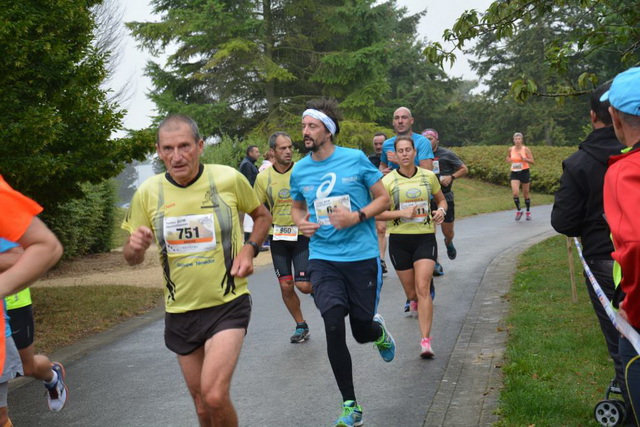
pixel 364 331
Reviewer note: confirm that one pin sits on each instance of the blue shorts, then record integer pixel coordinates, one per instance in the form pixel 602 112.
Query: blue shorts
pixel 353 285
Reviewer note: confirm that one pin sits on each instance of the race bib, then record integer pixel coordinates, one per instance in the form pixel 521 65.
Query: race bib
pixel 516 167
pixel 326 205
pixel 422 212
pixel 285 232
pixel 436 166
pixel 189 234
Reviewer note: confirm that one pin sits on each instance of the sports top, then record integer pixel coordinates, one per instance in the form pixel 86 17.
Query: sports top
pixel 272 187
pixel 22 298
pixel 423 149
pixel 197 232
pixel 410 191
pixel 517 156
pixel 344 179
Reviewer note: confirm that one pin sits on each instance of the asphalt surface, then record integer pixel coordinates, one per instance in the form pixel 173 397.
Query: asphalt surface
pixel 126 376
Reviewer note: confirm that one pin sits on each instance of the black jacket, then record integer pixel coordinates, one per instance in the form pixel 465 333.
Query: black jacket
pixel 249 169
pixel 578 208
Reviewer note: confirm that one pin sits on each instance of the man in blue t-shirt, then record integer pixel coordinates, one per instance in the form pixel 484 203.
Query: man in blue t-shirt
pixel 332 191
pixel 402 123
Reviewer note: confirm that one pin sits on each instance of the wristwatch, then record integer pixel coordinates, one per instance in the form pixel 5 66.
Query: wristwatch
pixel 443 210
pixel 256 247
pixel 362 216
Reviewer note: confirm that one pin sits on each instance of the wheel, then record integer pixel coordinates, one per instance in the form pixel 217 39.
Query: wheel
pixel 609 413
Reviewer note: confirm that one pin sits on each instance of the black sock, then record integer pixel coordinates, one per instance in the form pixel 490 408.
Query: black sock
pixel 338 352
pixel 528 203
pixel 516 200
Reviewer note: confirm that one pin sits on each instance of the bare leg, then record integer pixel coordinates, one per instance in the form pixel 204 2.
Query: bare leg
pixel 36 366
pixel 447 231
pixel 381 230
pixel 423 275
pixel 515 188
pixel 291 300
pixel 408 283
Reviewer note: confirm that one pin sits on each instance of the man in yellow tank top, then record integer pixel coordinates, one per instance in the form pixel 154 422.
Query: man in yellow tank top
pixel 192 214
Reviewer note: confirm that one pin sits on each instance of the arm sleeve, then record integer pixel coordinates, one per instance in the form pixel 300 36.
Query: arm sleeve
pixel 296 194
pixel 137 213
pixel 568 206
pixel 424 149
pixel 260 187
pixel 247 199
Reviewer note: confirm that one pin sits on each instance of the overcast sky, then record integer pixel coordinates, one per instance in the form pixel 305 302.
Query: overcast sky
pixel 440 15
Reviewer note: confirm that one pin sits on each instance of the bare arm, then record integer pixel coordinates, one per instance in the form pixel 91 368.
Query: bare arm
pixel 9 257
pixel 509 156
pixel 137 245
pixel 459 173
pixel 426 164
pixel 438 214
pixel 42 250
pixel 529 158
pixel 243 262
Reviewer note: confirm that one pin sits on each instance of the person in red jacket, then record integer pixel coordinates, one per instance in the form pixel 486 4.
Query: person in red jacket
pixel 621 205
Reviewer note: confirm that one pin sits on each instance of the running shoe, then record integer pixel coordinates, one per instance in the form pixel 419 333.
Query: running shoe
pixel 57 392
pixel 426 352
pixel 438 270
pixel 451 250
pixel 385 344
pixel 414 309
pixel 384 267
pixel 407 307
pixel 301 334
pixel 351 415
pixel 528 216
pixel 518 215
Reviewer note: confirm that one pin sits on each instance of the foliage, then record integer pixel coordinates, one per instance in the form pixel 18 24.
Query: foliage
pixel 557 366
pixel 57 121
pixel 488 163
pixel 587 29
pixel 85 225
pixel 274 55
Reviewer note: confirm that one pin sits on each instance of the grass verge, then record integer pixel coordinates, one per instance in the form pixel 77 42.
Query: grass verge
pixel 557 367
pixel 64 315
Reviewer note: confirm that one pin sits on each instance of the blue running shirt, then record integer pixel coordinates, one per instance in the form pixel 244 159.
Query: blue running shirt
pixel 423 149
pixel 345 177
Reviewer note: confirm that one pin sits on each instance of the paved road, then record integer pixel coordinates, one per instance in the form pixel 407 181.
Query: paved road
pixel 135 380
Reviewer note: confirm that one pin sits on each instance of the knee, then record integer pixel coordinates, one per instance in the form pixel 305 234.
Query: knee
pixel 304 287
pixel 362 331
pixel 286 286
pixel 217 399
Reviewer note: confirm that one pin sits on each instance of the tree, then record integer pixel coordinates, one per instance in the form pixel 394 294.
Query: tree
pixel 594 28
pixel 57 121
pixel 242 65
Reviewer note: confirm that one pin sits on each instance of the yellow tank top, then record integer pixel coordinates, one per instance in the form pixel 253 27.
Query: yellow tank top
pixel 19 300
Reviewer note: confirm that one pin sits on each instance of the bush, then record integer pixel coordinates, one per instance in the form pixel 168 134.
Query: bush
pixel 487 163
pixel 85 226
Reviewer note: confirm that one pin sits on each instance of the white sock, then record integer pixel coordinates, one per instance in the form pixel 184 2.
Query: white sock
pixel 54 379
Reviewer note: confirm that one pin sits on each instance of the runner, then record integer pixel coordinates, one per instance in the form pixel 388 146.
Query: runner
pixel 448 167
pixel 41 251
pixel 332 192
pixel 20 313
pixel 412 242
pixel 192 214
pixel 287 244
pixel 381 226
pixel 402 123
pixel 520 158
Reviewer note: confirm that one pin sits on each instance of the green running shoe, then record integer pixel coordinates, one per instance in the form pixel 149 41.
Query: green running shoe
pixel 351 415
pixel 385 344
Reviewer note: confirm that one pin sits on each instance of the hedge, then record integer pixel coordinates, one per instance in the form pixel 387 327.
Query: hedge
pixel 488 163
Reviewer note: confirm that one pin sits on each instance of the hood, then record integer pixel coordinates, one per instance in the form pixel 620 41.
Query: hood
pixel 601 144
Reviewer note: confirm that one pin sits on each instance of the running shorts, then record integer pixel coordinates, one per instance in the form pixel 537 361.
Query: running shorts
pixel 12 365
pixel 22 326
pixel 186 332
pixel 451 210
pixel 284 253
pixel 523 176
pixel 353 285
pixel 405 249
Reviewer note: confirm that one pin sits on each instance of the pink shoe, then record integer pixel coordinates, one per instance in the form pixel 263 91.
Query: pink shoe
pixel 413 309
pixel 528 216
pixel 426 352
pixel 518 215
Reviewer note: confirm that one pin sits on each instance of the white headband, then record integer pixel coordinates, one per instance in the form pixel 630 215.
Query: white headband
pixel 319 115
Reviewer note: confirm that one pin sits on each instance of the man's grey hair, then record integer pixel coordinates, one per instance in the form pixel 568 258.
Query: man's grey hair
pixel 171 122
pixel 273 138
pixel 518 134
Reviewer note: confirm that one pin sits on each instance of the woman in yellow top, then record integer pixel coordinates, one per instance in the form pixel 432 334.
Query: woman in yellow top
pixel 520 158
pixel 411 224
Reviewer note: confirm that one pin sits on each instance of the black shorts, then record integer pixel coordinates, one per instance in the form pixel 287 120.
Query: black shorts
pixel 186 332
pixel 523 176
pixel 451 210
pixel 405 249
pixel 284 253
pixel 22 326
pixel 353 285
